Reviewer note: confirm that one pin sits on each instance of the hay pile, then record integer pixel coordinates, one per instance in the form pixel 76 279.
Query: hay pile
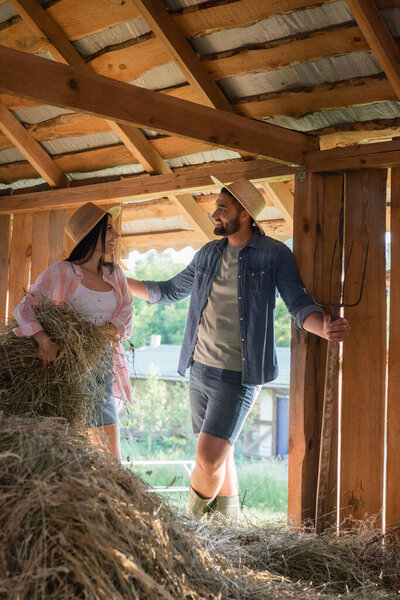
pixel 28 388
pixel 75 524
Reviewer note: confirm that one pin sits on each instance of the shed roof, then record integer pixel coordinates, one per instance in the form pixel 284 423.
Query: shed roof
pixel 303 65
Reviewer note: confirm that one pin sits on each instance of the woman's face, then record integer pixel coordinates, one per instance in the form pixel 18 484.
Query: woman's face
pixel 111 237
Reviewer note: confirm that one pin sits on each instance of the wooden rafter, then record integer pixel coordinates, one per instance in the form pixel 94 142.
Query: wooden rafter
pixel 31 149
pixel 155 13
pixel 68 86
pixel 379 37
pixel 366 156
pixel 282 198
pixel 132 137
pixel 145 187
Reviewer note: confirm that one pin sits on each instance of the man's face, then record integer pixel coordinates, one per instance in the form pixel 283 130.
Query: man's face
pixel 226 216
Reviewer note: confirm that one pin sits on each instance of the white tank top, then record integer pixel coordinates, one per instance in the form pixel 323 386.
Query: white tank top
pixel 97 307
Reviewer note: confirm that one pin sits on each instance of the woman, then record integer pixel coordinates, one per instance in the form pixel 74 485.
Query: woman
pixel 98 289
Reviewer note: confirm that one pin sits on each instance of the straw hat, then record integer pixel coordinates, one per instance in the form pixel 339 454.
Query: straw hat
pixel 247 194
pixel 85 218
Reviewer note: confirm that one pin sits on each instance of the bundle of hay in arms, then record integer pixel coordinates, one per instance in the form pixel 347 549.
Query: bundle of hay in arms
pixel 75 525
pixel 68 390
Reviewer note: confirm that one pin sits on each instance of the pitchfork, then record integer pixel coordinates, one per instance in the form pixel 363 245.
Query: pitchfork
pixel 331 378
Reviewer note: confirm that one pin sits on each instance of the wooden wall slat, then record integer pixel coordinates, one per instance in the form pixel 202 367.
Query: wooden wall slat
pixel 363 374
pixel 5 231
pixel 57 237
pixel 20 259
pixel 393 407
pixel 40 243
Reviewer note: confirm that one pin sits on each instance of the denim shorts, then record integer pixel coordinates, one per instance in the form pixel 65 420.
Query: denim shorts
pixel 219 401
pixel 104 411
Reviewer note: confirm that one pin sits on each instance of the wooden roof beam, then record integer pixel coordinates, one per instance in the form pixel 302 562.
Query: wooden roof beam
pixel 162 24
pixel 282 198
pixel 379 38
pixel 68 86
pixel 365 156
pixel 183 181
pixel 31 149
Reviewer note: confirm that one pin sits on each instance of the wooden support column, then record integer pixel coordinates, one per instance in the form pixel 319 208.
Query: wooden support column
pixel 5 225
pixel 57 237
pixel 20 259
pixel 40 243
pixel 363 374
pixel 317 209
pixel 393 408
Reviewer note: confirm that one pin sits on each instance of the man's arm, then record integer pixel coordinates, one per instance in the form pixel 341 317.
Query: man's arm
pixel 138 288
pixel 333 331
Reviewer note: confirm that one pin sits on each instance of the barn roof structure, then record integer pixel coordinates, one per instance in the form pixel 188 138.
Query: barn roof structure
pixel 138 102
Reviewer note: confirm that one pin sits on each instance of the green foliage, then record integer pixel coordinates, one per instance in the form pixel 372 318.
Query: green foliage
pixel 167 320
pixel 282 324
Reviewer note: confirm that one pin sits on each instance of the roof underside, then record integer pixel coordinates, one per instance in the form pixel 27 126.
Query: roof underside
pixel 304 66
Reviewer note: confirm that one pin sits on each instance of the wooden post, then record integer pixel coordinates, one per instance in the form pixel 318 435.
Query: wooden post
pixel 20 258
pixel 57 237
pixel 317 209
pixel 393 407
pixel 40 243
pixel 363 375
pixel 5 225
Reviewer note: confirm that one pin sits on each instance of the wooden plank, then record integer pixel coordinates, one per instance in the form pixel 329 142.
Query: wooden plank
pixel 317 211
pixel 68 86
pixel 380 154
pixel 363 90
pixel 40 243
pixel 279 54
pixel 364 353
pixel 306 380
pixel 282 199
pixel 5 230
pixel 359 135
pixel 20 259
pixel 393 406
pixel 57 237
pixel 379 37
pixel 162 24
pixel 33 151
pixel 145 187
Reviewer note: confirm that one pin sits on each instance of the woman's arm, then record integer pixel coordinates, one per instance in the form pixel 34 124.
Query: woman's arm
pixel 48 350
pixel 122 321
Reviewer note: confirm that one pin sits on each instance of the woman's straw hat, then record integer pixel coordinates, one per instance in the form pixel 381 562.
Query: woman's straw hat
pixel 247 194
pixel 85 218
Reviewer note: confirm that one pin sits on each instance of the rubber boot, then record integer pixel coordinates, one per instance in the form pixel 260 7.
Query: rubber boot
pixel 228 506
pixel 198 507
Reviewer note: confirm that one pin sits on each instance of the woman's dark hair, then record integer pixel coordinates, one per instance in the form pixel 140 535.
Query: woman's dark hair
pixel 239 207
pixel 85 249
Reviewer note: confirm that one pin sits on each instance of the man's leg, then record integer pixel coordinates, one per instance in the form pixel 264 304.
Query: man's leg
pixel 230 484
pixel 211 465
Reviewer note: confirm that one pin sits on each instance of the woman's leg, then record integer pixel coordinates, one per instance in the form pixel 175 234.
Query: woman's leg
pixel 107 437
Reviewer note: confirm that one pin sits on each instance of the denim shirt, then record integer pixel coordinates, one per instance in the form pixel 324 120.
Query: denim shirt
pixel 265 266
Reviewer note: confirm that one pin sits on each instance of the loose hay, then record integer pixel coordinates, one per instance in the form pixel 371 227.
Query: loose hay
pixel 75 524
pixel 28 388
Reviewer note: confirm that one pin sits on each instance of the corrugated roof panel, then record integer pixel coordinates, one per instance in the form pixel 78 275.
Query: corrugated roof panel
pixel 337 68
pixel 22 183
pixel 275 28
pixel 392 18
pixel 160 78
pixel 201 157
pixel 10 155
pixel 83 142
pixel 158 224
pixel 38 114
pixel 330 118
pixel 122 170
pixel 6 12
pixel 115 35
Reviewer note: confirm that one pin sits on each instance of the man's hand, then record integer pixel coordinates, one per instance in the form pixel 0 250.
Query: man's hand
pixel 336 331
pixel 333 331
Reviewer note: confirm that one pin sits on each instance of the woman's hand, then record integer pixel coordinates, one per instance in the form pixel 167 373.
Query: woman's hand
pixel 48 350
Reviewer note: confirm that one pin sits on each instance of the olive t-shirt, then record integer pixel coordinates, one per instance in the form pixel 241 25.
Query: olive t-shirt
pixel 218 338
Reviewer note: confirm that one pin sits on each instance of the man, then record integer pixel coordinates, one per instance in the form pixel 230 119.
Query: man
pixel 229 335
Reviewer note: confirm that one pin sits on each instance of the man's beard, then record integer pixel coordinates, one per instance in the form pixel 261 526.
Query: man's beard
pixel 230 228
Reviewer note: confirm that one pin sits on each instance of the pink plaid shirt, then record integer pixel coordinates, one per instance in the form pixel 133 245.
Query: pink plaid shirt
pixel 59 282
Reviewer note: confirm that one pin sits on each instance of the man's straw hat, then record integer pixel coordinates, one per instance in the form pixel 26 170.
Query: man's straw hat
pixel 85 218
pixel 247 194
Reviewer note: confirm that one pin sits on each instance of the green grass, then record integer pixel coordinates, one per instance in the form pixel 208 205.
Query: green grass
pixel 263 483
